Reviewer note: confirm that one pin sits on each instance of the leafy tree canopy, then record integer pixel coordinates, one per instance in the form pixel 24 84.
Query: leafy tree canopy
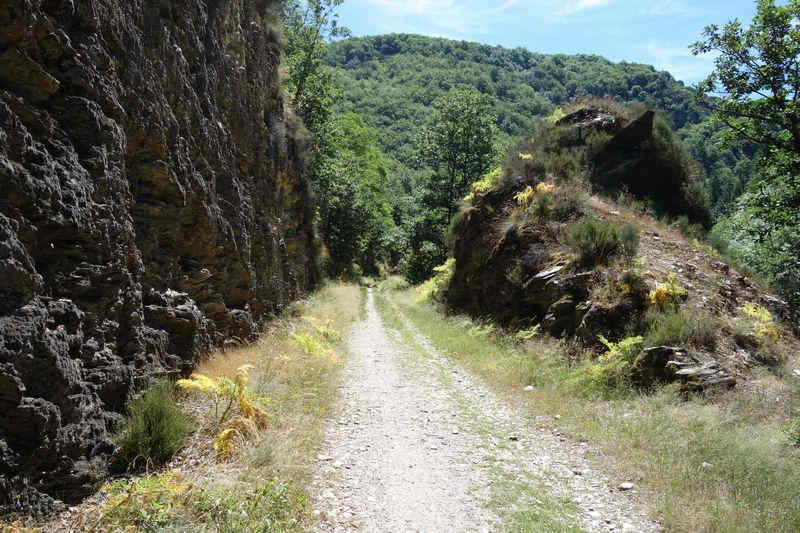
pixel 757 76
pixel 460 143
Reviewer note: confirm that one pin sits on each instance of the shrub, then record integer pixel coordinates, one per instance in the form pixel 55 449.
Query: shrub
pixel 154 429
pixel 792 430
pixel 762 324
pixel 487 182
pixel 435 287
pixel 612 370
pixel 568 202
pixel 324 329
pixel 629 241
pixel 309 344
pixel 668 294
pixel 168 502
pixel 674 327
pixel 595 241
pixel 228 393
pixel 420 262
pixel 687 228
pixel 632 286
pixel 524 197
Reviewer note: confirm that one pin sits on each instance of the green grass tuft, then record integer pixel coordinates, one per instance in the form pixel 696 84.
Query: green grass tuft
pixel 154 429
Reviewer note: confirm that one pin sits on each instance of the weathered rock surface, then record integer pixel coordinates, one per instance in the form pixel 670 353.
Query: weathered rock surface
pixel 669 363
pixel 151 207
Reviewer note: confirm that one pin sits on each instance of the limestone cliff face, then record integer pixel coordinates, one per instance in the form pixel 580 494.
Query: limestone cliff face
pixel 151 207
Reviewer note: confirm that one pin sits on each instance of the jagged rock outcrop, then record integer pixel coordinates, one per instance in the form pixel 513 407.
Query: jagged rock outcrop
pixel 152 207
pixel 668 363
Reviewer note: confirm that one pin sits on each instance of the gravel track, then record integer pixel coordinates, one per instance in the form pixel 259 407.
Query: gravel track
pixel 420 445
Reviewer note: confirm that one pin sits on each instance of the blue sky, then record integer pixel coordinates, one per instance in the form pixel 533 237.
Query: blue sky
pixel 655 32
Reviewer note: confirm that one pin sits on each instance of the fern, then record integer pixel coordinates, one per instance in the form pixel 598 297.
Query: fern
pixel 545 188
pixel 668 294
pixel 325 330
pixel 763 324
pixel 231 393
pixel 524 197
pixel 309 344
pixel 527 334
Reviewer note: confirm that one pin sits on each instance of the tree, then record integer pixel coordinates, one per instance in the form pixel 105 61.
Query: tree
pixel 308 25
pixel 755 86
pixel 354 214
pixel 755 91
pixel 460 143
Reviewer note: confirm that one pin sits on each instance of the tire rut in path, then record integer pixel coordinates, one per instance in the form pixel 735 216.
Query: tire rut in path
pixel 402 455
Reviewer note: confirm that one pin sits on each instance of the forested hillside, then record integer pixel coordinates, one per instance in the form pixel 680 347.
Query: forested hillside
pixel 392 80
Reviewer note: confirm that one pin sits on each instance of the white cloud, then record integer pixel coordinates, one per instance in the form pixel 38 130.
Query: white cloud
pixel 416 7
pixel 446 18
pixel 660 8
pixel 582 5
pixel 679 61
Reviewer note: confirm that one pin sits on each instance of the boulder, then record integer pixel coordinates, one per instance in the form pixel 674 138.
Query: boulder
pixel 669 363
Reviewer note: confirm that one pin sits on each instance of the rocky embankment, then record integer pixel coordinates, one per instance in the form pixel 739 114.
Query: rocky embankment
pixel 151 207
pixel 515 266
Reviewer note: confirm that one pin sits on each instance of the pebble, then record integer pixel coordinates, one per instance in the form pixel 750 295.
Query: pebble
pixel 530 387
pixel 625 486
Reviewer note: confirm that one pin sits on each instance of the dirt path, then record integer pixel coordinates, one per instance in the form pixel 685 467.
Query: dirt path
pixel 420 445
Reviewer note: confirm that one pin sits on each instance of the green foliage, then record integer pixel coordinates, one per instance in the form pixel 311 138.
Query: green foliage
pixel 611 372
pixel 751 236
pixel 435 288
pixel 459 144
pixel 673 327
pixel 307 24
pixel 629 241
pixel 167 502
pixel 756 81
pixel 595 241
pixel 729 166
pixel 392 79
pixel 230 395
pixel 524 335
pixel 667 295
pixel 792 431
pixel 754 93
pixel 687 228
pixel 154 429
pixel 354 214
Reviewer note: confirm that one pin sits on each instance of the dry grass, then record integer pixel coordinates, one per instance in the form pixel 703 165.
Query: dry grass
pixel 269 475
pixel 708 464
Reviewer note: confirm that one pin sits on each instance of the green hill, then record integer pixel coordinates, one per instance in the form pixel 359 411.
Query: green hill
pixel 391 81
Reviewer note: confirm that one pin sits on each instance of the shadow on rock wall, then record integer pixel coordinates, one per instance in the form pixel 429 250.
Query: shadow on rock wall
pixel 151 207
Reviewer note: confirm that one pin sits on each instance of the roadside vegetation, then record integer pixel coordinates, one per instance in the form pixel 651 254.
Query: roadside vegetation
pixel 258 414
pixel 695 456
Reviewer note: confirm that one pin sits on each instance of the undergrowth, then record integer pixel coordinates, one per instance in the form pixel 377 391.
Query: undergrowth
pixel 153 430
pixel 168 501
pixel 258 477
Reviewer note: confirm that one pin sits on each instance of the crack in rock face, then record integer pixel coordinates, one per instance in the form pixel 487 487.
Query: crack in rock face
pixel 152 207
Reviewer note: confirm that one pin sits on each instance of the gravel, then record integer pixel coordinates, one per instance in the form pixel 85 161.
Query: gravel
pixel 417 441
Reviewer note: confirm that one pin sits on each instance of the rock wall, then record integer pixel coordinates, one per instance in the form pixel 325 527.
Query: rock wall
pixel 151 207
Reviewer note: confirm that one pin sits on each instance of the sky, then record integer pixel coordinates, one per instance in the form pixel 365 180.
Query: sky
pixel 656 32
